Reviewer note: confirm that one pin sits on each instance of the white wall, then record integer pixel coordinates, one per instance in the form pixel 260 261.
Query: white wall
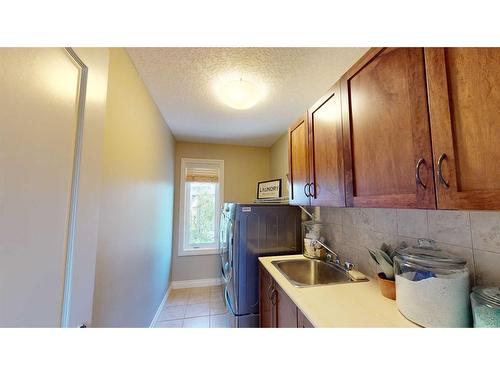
pixel 135 227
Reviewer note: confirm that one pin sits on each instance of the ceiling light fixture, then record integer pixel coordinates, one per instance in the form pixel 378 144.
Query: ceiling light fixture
pixel 239 93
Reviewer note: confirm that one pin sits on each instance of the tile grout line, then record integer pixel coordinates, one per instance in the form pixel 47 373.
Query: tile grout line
pixel 397 224
pixel 428 229
pixel 186 304
pixel 473 250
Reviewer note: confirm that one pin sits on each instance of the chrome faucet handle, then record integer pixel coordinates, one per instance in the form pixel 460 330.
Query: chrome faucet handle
pixel 330 251
pixel 348 266
pixel 330 259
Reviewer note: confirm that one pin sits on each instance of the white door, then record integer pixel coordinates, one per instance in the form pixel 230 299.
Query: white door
pixel 38 129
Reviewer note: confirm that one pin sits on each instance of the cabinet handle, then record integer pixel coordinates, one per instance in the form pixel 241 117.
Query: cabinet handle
pixel 313 186
pixel 440 170
pixel 306 188
pixel 274 294
pixel 268 292
pixel 417 172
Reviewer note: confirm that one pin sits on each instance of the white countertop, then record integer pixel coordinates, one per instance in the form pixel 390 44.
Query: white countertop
pixel 354 305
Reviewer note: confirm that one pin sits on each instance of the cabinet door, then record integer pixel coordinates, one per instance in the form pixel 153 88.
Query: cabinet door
pixel 386 131
pixel 266 307
pixel 464 101
pixel 302 321
pixel 326 151
pixel 298 163
pixel 286 311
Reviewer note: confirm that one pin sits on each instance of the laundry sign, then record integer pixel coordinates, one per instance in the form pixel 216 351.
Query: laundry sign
pixel 269 189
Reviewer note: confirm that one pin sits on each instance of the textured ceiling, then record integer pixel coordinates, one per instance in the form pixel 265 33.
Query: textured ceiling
pixel 181 82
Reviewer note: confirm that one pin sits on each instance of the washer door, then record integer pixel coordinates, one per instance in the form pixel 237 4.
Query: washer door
pixel 225 247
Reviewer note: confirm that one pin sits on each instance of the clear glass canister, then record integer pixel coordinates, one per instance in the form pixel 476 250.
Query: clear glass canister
pixel 432 288
pixel 313 231
pixel 486 307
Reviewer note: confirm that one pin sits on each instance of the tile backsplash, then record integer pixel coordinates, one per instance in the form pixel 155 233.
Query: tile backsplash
pixel 474 235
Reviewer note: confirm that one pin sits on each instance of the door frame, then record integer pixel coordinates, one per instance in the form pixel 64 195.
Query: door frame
pixel 75 179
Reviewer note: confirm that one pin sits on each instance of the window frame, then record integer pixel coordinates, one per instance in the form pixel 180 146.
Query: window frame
pixel 183 250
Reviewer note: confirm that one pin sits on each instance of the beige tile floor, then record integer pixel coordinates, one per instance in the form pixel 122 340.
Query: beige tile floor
pixel 194 308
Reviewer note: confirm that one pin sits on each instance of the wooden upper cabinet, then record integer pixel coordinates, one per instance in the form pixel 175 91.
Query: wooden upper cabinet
pixel 387 142
pixel 464 102
pixel 326 150
pixel 298 162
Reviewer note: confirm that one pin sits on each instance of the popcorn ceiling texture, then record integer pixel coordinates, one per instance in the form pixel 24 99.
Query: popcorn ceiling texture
pixel 474 235
pixel 181 82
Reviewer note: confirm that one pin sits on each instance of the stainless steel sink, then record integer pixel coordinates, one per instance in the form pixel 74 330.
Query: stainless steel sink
pixel 310 272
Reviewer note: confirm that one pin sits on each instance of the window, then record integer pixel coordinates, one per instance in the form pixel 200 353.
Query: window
pixel 201 198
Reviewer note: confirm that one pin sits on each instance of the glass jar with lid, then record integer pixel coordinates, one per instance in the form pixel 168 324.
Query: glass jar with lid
pixel 432 287
pixel 312 232
pixel 486 307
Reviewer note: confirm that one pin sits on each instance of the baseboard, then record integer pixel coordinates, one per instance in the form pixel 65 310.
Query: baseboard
pixel 180 284
pixel 160 307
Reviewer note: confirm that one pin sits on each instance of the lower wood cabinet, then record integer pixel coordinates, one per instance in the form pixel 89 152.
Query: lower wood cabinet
pixel 302 321
pixel 286 311
pixel 276 309
pixel 267 309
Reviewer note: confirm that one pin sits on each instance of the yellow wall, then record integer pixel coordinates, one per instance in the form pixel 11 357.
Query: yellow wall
pixel 135 229
pixel 279 162
pixel 243 168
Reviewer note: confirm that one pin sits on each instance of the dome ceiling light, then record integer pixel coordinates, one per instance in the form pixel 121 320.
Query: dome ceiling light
pixel 239 93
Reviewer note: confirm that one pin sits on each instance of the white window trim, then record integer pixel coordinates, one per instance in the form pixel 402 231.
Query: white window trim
pixel 181 251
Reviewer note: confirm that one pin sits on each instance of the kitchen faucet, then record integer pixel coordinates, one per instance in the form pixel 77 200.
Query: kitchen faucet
pixel 329 257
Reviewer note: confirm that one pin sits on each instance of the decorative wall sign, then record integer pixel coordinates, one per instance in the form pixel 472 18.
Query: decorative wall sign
pixel 269 189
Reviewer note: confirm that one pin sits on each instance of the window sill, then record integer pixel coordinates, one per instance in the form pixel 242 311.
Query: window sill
pixel 196 252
